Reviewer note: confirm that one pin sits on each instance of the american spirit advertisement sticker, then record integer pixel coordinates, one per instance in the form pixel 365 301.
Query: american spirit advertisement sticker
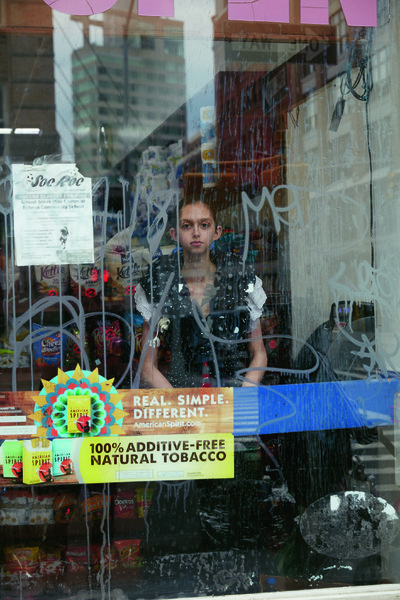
pixel 99 434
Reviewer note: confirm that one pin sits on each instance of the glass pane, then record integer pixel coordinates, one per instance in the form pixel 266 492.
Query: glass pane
pixel 199 323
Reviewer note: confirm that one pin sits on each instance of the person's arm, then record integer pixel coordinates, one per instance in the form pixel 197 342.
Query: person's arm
pixel 258 357
pixel 150 371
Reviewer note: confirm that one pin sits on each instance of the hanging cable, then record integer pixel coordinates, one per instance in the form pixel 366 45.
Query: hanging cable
pixel 360 87
pixel 359 55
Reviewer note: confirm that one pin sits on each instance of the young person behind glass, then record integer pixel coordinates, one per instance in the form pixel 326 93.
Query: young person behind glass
pixel 209 303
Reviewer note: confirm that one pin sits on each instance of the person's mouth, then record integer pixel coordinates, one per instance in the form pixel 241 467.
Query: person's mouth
pixel 196 244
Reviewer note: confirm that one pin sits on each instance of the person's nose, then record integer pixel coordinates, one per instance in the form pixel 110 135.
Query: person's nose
pixel 196 231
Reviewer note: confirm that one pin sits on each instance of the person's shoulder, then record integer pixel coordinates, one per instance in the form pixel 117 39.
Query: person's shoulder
pixel 158 272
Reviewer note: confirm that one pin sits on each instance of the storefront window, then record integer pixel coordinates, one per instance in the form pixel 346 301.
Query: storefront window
pixel 199 325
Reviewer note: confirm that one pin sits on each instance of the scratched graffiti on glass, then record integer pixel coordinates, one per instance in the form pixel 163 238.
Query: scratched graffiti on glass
pixel 349 350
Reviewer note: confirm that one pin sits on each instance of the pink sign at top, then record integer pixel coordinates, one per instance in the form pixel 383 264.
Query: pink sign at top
pixel 259 10
pixel 314 11
pixel 156 8
pixel 361 13
pixel 81 7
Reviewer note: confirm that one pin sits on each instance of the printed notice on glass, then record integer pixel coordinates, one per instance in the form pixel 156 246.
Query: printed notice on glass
pixel 52 215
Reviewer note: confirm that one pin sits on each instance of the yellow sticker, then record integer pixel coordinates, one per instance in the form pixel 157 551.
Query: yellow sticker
pixel 37 461
pixel 154 458
pixel 79 414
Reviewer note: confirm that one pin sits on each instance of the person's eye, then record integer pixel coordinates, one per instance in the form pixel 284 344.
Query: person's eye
pixel 185 226
pixel 205 225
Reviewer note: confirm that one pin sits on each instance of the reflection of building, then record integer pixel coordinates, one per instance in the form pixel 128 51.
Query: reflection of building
pixel 27 81
pixel 276 93
pixel 125 89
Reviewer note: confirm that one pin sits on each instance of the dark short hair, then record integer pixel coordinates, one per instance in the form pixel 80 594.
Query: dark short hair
pixel 185 201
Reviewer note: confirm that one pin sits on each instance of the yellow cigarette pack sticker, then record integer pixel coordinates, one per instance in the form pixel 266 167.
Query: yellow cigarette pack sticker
pixel 12 458
pixel 37 461
pixel 78 414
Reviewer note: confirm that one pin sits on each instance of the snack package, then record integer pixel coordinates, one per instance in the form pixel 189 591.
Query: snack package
pixel 73 351
pixel 12 458
pixel 129 553
pixel 14 509
pixel 66 507
pixel 86 279
pixel 47 350
pixel 7 356
pixel 125 262
pixel 50 561
pixel 22 559
pixel 104 557
pixel 37 461
pixel 76 559
pixel 49 280
pixel 62 457
pixel 111 332
pixel 124 502
pixel 41 509
pixel 143 504
pixel 134 330
pixel 93 504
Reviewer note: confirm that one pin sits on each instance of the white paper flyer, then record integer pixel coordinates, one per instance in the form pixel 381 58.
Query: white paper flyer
pixel 52 215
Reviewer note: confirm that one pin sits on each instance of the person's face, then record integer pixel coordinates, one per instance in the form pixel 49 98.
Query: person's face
pixel 197 229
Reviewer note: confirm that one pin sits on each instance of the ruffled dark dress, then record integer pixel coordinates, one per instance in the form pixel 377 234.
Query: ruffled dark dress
pixel 219 339
pixel 174 520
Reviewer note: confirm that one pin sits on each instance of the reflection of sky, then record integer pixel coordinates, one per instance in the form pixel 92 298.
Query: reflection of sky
pixel 197 17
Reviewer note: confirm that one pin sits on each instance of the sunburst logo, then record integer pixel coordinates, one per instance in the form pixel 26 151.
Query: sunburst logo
pixel 51 406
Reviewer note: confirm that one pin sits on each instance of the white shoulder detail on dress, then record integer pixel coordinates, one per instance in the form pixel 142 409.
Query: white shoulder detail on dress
pixel 255 302
pixel 142 304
